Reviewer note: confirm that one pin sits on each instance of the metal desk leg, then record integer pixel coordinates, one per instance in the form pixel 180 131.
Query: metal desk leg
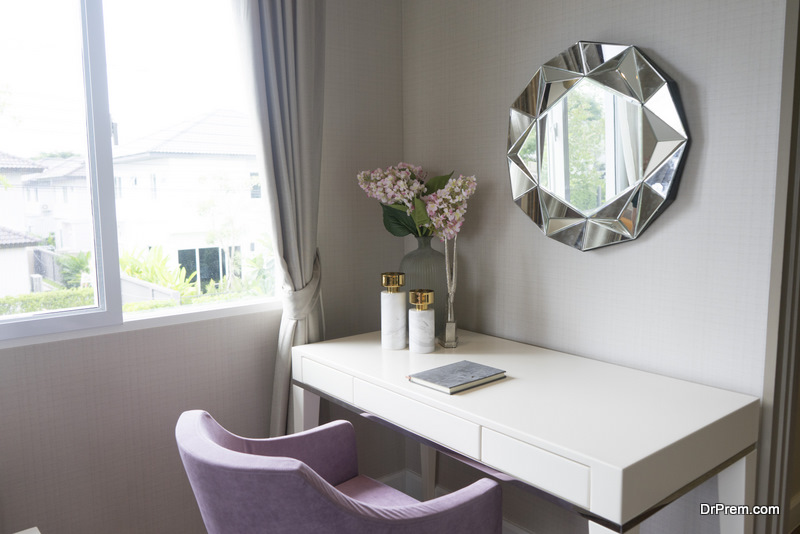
pixel 304 412
pixel 427 457
pixel 737 486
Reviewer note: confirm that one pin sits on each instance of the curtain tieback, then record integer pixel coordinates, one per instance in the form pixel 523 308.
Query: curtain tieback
pixel 298 304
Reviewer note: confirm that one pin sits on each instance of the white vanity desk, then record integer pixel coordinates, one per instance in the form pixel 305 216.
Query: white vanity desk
pixel 613 442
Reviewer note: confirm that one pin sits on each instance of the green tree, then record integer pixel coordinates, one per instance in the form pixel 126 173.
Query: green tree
pixel 154 266
pixel 72 267
pixel 224 211
pixel 528 151
pixel 261 269
pixel 586 122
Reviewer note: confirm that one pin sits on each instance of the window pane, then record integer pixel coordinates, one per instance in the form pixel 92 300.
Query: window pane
pixel 47 250
pixel 184 156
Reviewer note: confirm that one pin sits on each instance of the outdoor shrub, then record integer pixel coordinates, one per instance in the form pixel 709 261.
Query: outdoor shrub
pixel 47 300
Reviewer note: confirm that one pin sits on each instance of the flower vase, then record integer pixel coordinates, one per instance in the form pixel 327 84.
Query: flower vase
pixel 449 337
pixel 425 269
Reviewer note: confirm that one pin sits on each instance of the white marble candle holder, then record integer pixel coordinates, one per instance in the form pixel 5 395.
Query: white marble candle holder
pixel 421 330
pixel 393 320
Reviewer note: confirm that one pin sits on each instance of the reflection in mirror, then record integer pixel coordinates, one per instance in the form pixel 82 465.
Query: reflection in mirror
pixel 596 142
pixel 592 146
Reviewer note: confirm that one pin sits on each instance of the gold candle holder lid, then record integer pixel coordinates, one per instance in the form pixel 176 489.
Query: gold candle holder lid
pixel 421 298
pixel 393 281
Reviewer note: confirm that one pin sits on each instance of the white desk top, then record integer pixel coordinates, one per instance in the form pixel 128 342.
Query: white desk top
pixel 642 436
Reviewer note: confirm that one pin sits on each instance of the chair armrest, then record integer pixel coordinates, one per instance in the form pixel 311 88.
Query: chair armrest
pixel 329 450
pixel 475 509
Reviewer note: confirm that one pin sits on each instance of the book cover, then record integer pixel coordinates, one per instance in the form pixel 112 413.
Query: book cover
pixel 458 376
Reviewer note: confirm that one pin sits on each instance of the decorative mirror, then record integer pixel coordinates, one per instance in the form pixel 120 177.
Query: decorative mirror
pixel 596 143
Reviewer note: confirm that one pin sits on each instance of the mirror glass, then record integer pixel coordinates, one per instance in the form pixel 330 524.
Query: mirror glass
pixel 595 145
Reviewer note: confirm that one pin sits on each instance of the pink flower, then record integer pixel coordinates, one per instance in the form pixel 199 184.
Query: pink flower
pixel 446 208
pixel 394 185
pixel 402 184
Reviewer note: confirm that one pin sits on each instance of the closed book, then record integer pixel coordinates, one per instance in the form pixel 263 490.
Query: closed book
pixel 458 376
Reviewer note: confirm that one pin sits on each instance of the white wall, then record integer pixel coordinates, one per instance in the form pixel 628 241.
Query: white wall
pixel 15 280
pixel 12 199
pixel 194 197
pixel 689 298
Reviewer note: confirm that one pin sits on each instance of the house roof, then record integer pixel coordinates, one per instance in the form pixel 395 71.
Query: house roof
pixel 74 167
pixel 221 132
pixel 9 163
pixel 12 239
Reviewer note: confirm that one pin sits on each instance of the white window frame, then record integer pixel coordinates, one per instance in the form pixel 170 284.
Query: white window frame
pixel 101 178
pixel 107 316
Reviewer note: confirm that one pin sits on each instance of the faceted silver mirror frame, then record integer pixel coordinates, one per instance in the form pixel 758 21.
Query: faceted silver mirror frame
pixel 626 71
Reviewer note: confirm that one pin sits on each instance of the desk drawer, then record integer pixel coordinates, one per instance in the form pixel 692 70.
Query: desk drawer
pixel 436 425
pixel 550 472
pixel 328 380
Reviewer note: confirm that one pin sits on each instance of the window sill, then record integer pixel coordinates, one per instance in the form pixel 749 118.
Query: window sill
pixel 156 319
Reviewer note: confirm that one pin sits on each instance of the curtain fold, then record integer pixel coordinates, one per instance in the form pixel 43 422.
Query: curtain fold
pixel 284 41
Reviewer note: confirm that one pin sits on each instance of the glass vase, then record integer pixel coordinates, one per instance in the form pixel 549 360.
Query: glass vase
pixel 449 338
pixel 425 269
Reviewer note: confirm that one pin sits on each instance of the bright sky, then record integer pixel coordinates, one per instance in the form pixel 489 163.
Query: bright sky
pixel 168 60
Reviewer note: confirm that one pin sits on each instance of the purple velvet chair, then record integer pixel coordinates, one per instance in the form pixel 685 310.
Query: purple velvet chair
pixel 309 483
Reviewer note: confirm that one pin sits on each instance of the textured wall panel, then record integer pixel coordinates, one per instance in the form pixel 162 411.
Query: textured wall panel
pixel 689 298
pixel 88 440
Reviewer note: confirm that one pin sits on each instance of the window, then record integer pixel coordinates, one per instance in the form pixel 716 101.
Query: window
pixel 177 99
pixel 213 266
pixel 49 250
pixel 255 185
pixel 91 230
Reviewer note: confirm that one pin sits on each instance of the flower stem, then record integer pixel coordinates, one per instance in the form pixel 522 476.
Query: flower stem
pixel 451 271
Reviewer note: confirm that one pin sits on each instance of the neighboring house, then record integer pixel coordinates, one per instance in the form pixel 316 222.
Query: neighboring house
pixel 12 199
pixel 15 279
pixel 194 189
pixel 57 202
pixel 15 234
pixel 191 189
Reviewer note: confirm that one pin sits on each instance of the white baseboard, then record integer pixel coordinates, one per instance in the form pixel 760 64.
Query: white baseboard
pixel 410 483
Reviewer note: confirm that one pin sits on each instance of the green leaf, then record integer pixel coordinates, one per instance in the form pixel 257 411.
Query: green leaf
pixel 420 214
pixel 437 182
pixel 397 222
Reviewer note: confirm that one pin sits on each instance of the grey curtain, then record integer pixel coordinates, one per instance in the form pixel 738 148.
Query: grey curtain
pixel 285 42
